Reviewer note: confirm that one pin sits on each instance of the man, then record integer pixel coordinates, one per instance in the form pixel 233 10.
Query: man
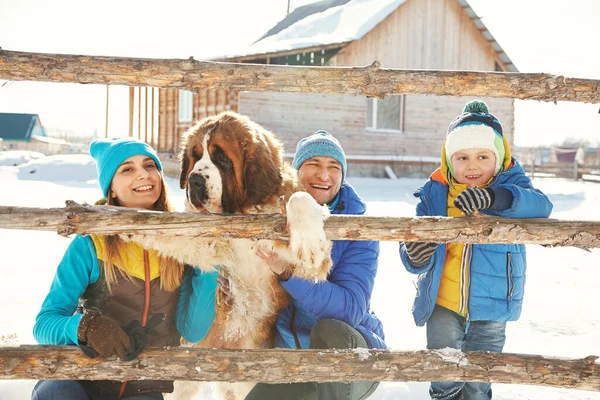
pixel 335 313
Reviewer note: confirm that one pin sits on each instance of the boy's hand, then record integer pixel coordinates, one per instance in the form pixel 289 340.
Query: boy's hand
pixel 473 199
pixel 420 252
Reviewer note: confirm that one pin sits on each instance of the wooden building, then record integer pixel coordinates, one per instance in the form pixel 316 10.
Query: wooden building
pixel 26 132
pixel 406 131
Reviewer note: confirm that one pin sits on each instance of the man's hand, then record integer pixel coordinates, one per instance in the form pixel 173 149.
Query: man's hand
pixel 420 252
pixel 279 267
pixel 474 199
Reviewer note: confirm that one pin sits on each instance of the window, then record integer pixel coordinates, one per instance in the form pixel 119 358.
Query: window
pixel 186 104
pixel 386 115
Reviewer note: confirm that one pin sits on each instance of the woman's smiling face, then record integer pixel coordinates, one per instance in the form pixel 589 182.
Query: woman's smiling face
pixel 137 183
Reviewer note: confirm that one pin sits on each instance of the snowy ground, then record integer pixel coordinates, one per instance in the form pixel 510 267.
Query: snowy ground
pixel 560 317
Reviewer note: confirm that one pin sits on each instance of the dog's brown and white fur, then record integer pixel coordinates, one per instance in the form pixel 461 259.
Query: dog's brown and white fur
pixel 230 164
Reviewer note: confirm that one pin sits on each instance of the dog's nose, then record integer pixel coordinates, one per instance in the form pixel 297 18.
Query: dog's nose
pixel 198 181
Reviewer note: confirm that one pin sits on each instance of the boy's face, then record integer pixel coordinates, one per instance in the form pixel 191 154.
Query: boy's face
pixel 473 167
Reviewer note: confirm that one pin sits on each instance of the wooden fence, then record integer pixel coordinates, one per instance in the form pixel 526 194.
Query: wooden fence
pixel 272 365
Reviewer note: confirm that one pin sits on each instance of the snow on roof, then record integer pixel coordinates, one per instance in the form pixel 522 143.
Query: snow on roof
pixel 50 140
pixel 340 24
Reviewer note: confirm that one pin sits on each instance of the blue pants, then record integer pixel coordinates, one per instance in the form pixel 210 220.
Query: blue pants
pixel 72 390
pixel 326 334
pixel 446 328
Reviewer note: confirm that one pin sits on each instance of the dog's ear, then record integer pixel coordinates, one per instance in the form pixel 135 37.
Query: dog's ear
pixel 184 161
pixel 262 168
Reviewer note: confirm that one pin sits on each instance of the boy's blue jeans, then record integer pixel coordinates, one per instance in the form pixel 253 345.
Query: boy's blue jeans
pixel 446 328
pixel 72 390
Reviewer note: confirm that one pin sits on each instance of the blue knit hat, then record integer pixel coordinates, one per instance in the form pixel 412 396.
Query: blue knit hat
pixel 110 153
pixel 475 128
pixel 320 144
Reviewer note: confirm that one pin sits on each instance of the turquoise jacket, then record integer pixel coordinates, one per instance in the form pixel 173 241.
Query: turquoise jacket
pixel 57 321
pixel 497 271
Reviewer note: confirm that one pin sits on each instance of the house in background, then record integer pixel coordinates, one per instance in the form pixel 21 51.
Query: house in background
pixel 25 132
pixel 404 132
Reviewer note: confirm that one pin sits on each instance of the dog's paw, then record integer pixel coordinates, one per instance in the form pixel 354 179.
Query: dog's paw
pixel 308 243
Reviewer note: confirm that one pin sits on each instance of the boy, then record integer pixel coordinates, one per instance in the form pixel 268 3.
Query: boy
pixel 466 293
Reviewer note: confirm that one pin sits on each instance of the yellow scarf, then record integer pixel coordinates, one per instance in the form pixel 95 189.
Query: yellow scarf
pixel 132 255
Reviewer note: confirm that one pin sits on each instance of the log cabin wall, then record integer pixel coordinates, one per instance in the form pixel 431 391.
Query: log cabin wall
pixel 420 34
pixel 203 104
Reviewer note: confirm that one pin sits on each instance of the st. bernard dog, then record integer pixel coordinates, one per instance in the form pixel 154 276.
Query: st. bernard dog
pixel 230 164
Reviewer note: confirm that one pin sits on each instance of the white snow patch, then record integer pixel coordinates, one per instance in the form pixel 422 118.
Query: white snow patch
pixel 452 355
pixel 363 354
pixel 71 167
pixel 13 158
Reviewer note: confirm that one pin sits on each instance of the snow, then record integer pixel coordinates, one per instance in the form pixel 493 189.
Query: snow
pixel 559 319
pixel 18 157
pixel 344 23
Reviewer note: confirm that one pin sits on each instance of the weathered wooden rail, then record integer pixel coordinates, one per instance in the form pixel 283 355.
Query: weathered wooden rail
pixel 85 219
pixel 371 81
pixel 286 366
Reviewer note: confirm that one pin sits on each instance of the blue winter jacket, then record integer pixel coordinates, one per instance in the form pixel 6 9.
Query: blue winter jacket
pixel 57 321
pixel 497 271
pixel 345 295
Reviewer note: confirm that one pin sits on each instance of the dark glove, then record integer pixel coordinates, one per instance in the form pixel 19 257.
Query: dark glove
pixel 473 199
pixel 139 336
pixel 103 335
pixel 420 252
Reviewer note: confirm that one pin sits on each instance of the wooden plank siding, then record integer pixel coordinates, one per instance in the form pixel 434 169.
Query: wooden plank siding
pixel 205 103
pixel 420 34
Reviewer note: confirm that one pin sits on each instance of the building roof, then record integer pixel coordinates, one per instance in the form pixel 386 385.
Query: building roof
pixel 17 126
pixel 335 23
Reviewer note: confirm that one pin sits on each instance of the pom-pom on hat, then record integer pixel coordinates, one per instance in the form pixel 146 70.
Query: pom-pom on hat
pixel 475 128
pixel 320 144
pixel 110 153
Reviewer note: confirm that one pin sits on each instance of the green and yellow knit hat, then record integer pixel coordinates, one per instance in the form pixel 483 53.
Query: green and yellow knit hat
pixel 475 128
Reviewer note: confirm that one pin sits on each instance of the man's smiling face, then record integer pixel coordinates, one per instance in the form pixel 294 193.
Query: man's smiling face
pixel 321 177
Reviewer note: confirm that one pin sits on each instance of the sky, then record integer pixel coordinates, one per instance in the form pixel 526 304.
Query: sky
pixel 559 317
pixel 549 36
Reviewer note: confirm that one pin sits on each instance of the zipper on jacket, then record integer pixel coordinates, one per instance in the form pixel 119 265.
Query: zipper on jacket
pixel 428 293
pixel 292 330
pixel 509 277
pixel 146 305
pixel 465 285
pixel 146 289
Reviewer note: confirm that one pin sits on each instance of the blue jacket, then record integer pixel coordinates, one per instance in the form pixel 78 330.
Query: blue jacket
pixel 345 295
pixel 497 271
pixel 57 321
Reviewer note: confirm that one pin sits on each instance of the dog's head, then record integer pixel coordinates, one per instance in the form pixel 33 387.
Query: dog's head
pixel 229 163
